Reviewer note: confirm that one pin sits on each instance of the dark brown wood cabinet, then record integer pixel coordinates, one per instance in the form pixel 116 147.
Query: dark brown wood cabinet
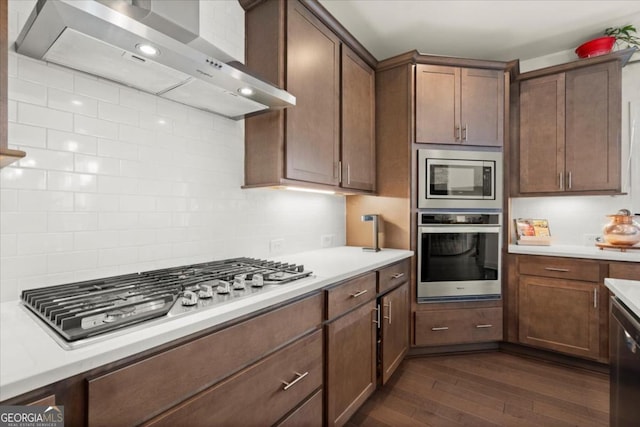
pixel 570 131
pixel 624 270
pixel 394 330
pixel 327 139
pixel 561 305
pixel 458 326
pixel 7 156
pixel 459 105
pixel 350 348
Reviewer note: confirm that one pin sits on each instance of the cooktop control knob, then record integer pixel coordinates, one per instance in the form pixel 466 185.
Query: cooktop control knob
pixel 239 282
pixel 189 298
pixel 223 287
pixel 257 281
pixel 206 291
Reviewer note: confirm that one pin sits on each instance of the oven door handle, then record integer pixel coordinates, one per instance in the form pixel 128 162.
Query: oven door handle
pixel 493 228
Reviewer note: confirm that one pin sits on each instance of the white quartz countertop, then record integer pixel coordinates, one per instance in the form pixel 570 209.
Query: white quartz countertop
pixel 577 251
pixel 30 358
pixel 627 291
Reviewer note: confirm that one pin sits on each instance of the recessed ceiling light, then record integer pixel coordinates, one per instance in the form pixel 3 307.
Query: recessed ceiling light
pixel 245 91
pixel 147 49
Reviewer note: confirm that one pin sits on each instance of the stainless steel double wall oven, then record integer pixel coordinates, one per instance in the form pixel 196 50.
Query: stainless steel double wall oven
pixel 459 225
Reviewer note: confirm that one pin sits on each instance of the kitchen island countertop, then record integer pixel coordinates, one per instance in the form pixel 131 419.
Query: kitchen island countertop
pixel 577 251
pixel 627 291
pixel 30 358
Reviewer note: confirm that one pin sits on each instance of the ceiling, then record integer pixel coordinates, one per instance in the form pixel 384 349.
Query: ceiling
pixel 493 30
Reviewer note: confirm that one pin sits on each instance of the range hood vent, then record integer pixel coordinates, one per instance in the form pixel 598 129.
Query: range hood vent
pixel 108 38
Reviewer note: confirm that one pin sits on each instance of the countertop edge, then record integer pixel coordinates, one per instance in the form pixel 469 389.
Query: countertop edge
pixel 576 251
pixel 16 381
pixel 627 291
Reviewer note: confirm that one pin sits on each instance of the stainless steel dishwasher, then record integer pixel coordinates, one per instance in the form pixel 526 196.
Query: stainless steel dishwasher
pixel 624 366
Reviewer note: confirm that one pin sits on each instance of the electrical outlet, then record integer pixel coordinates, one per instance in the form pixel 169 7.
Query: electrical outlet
pixel 591 239
pixel 276 246
pixel 326 241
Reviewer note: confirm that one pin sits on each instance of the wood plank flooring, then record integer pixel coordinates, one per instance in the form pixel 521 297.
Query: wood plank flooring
pixel 487 389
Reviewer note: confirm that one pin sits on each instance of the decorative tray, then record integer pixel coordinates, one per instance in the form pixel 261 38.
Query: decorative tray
pixel 621 248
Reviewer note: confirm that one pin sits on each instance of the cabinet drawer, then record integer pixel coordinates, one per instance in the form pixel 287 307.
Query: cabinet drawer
pixel 350 294
pixel 625 270
pixel 392 276
pixel 258 395
pixel 307 415
pixel 562 268
pixel 458 326
pixel 122 397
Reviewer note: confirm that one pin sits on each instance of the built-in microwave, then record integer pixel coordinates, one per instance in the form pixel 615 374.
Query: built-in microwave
pixel 457 179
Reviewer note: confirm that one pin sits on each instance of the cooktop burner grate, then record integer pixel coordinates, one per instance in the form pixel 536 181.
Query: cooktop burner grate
pixel 86 309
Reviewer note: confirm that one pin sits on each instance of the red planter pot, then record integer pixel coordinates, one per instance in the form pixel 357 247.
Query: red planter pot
pixel 596 47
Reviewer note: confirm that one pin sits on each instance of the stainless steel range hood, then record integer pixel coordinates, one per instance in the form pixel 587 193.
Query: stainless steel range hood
pixel 107 38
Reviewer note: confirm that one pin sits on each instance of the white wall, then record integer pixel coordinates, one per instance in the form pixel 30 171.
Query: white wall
pixel 570 218
pixel 129 182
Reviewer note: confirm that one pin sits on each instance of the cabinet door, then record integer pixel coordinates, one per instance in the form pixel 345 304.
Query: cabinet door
pixel 482 109
pixel 358 120
pixel 560 315
pixel 394 329
pixel 313 76
pixel 438 104
pixel 542 134
pixel 350 363
pixel 592 128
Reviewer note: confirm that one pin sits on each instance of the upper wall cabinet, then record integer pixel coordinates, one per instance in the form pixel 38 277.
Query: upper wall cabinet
pixel 459 105
pixel 327 139
pixel 569 129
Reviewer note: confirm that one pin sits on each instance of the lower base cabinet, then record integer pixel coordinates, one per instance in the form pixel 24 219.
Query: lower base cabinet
pixel 309 414
pixel 259 395
pixel 458 326
pixel 394 330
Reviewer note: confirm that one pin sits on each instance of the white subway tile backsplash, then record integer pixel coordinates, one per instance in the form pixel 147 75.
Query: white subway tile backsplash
pixel 90 240
pixel 69 181
pixel 154 220
pixel 71 221
pixel 154 253
pixel 45 201
pixel 118 114
pixel 12 111
pixel 96 165
pixel 137 237
pixel 12 64
pixel 8 200
pixel 152 121
pixel 177 112
pixel 41 243
pixel 47 159
pixel 95 127
pixel 72 102
pixel 135 135
pixel 135 99
pixel 39 72
pixel 25 135
pixel 30 114
pixel 22 178
pixel 71 261
pixel 23 222
pixel 19 267
pixel 117 220
pixel 93 88
pixel 137 203
pixel 117 185
pixel 117 149
pixel 25 91
pixel 67 141
pixel 117 256
pixel 92 202
pixel 8 245
pixel 171 204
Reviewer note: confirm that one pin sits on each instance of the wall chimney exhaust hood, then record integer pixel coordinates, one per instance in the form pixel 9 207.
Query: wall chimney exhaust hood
pixel 151 45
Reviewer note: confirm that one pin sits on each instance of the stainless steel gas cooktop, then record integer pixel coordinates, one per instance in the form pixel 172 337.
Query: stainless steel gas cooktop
pixel 86 309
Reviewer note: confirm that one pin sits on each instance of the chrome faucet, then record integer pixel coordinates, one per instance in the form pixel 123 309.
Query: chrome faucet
pixel 374 218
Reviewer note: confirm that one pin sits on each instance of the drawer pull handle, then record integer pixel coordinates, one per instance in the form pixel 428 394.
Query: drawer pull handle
pixel 561 270
pixel 440 328
pixel 484 326
pixel 397 275
pixel 389 316
pixel 292 383
pixel 357 294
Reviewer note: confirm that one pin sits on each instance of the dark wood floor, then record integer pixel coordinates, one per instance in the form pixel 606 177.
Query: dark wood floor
pixel 487 389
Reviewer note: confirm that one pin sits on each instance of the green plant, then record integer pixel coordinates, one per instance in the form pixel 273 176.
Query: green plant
pixel 626 34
